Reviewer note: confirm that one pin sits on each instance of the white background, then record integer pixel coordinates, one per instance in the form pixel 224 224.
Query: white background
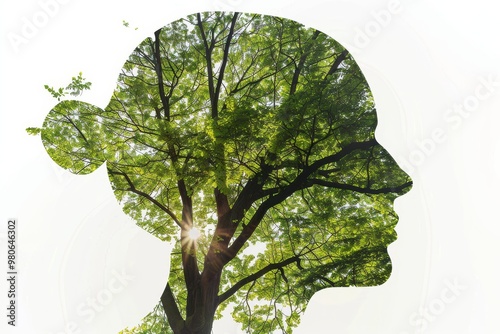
pixel 420 57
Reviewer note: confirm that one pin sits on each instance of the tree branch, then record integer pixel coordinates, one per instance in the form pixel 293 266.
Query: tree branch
pixel 327 280
pixel 273 266
pixel 171 309
pixel 337 63
pixel 159 73
pixel 299 183
pixel 223 66
pixel 76 127
pixel 249 194
pixel 208 58
pixel 362 190
pixel 349 148
pixel 146 196
pixel 298 69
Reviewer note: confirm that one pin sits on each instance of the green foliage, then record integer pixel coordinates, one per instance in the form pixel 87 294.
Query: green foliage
pixel 127 25
pixel 74 88
pixel 33 131
pixel 154 322
pixel 83 149
pixel 266 114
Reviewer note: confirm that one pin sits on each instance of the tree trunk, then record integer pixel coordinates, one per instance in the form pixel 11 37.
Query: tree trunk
pixel 205 300
pixel 210 290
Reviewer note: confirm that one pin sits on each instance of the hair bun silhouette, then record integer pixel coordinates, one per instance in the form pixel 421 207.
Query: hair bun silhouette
pixel 73 136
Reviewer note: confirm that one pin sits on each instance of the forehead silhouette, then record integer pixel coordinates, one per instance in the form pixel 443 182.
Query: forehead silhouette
pixel 250 139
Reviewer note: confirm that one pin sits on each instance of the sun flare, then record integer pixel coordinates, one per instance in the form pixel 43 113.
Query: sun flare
pixel 194 233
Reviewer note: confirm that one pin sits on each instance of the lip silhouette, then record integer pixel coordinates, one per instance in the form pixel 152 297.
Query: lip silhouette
pixel 251 139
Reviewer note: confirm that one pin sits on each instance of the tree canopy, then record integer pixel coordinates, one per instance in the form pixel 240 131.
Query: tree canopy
pixel 250 139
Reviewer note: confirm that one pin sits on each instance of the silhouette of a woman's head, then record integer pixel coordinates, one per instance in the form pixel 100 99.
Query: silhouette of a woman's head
pixel 250 138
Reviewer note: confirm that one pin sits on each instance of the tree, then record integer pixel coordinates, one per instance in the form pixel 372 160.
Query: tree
pixel 251 138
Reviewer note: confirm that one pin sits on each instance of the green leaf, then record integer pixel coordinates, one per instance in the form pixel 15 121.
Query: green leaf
pixel 33 131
